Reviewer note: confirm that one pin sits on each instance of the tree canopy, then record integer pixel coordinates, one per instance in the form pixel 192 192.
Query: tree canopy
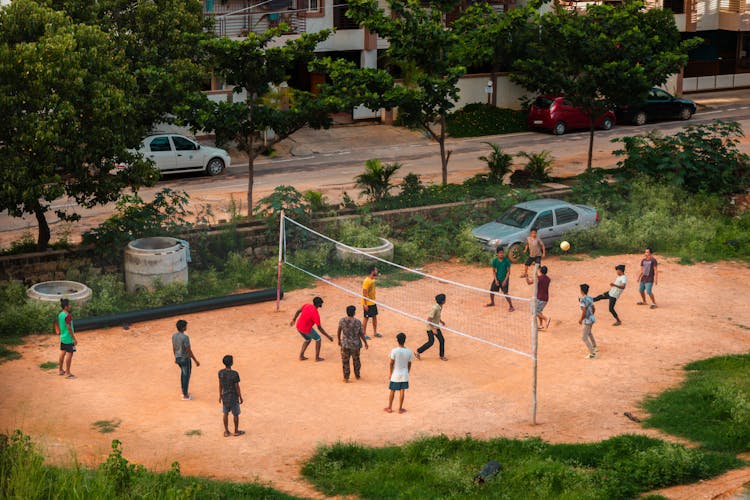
pixel 606 56
pixel 65 92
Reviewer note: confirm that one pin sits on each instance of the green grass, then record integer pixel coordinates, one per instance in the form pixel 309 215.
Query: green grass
pixel 194 432
pixel 712 406
pixel 397 277
pixel 483 119
pixel 439 467
pixel 48 365
pixel 23 474
pixel 106 426
pixel 8 354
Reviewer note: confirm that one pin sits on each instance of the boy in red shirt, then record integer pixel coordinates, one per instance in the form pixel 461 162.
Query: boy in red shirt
pixel 309 318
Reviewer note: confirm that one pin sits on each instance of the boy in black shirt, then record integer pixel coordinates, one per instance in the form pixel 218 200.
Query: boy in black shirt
pixel 229 395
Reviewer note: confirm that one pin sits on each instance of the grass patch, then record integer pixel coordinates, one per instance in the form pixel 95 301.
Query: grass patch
pixel 439 467
pixel 484 119
pixel 8 354
pixel 23 474
pixel 194 432
pixel 106 426
pixel 48 365
pixel 397 278
pixel 11 340
pixel 712 406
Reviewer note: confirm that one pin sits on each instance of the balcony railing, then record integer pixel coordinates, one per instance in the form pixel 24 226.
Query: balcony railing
pixel 257 18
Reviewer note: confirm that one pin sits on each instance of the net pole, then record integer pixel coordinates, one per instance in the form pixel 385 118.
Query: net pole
pixel 278 268
pixel 534 345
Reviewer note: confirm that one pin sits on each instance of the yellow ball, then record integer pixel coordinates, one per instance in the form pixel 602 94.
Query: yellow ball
pixel 564 246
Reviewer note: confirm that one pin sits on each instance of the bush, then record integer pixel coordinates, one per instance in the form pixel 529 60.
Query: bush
pixel 375 182
pixel 702 158
pixel 484 119
pixel 22 316
pixel 498 163
pixel 365 235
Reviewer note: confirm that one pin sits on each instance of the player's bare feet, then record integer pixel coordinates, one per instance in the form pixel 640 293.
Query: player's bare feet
pixel 239 433
pixel 443 358
pixel 549 320
pixel 387 410
pixel 402 410
pixel 302 358
pixel 418 356
pixel 491 304
pixel 346 380
pixel 320 359
pixel 511 309
pixel 61 373
pixel 227 434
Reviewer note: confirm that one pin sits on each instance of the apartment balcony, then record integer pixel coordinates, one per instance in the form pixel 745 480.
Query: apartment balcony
pixel 238 19
pixel 734 15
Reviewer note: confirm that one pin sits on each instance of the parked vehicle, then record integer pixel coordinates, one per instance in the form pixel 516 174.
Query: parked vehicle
pixel 659 105
pixel 551 217
pixel 175 153
pixel 559 115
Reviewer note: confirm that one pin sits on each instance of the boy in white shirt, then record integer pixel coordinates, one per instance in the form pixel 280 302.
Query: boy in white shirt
pixel 614 293
pixel 401 358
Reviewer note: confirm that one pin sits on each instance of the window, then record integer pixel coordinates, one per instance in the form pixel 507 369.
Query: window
pixel 160 144
pixel 565 215
pixel 313 5
pixel 183 144
pixel 544 220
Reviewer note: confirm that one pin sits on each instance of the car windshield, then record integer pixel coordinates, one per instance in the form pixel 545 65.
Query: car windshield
pixel 543 102
pixel 517 217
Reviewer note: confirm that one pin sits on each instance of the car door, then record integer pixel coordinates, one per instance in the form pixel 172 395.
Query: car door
pixel 545 226
pixel 187 153
pixel 573 116
pixel 566 219
pixel 659 104
pixel 159 150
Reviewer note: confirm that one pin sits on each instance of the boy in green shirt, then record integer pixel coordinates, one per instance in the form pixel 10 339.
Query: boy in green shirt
pixel 68 341
pixel 500 277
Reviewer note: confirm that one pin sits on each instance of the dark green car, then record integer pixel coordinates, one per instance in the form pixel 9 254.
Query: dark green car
pixel 660 105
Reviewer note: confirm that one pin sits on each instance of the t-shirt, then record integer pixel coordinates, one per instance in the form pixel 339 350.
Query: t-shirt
pixel 228 378
pixel 180 345
pixel 542 288
pixel 501 268
pixel 648 266
pixel 435 313
pixel 351 330
pixel 65 322
pixel 368 287
pixel 401 357
pixel 615 291
pixel 307 318
pixel 535 246
pixel 588 303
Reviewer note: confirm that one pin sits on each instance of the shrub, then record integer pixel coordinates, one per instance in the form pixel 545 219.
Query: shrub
pixel 478 119
pixel 285 198
pixel 362 235
pixel 702 158
pixel 375 182
pixel 538 165
pixel 498 162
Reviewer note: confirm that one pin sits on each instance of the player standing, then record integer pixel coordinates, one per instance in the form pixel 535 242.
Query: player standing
pixel 535 247
pixel 400 367
pixel 183 353
pixel 68 341
pixel 230 395
pixel 587 319
pixel 542 296
pixel 351 342
pixel 370 308
pixel 433 330
pixel 500 277
pixel 648 277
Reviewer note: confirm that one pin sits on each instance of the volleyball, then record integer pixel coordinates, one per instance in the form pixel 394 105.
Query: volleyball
pixel 564 246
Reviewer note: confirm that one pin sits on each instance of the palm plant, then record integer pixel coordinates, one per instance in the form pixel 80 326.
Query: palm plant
pixel 498 162
pixel 538 165
pixel 375 183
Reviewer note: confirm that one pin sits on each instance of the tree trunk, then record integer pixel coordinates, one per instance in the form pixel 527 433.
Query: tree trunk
pixel 591 144
pixel 444 156
pixel 44 234
pixel 250 174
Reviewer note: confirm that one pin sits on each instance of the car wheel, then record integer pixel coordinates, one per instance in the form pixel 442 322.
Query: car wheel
pixel 215 166
pixel 515 253
pixel 640 118
pixel 685 114
pixel 607 123
pixel 559 128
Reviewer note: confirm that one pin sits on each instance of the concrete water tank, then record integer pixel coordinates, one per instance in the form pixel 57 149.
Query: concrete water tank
pixel 53 291
pixel 384 251
pixel 156 259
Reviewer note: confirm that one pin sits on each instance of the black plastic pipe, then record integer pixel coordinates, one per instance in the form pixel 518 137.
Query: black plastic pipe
pixel 127 318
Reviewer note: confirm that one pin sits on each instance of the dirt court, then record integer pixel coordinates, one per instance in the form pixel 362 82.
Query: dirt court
pixel 292 406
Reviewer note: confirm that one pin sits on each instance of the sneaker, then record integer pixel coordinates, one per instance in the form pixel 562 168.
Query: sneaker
pixel 378 335
pixel 616 323
pixel 367 337
pixel 653 306
pixel 187 398
pixel 591 355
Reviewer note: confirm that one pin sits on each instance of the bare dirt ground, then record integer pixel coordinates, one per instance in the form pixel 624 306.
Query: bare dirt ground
pixel 292 406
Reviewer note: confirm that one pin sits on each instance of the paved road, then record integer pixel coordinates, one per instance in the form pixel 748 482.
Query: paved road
pixel 328 161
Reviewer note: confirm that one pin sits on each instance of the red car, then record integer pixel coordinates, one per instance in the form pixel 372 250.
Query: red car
pixel 559 115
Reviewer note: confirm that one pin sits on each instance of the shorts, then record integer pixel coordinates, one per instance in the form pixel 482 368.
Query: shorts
pixel 645 287
pixel 234 408
pixel 313 335
pixel 530 260
pixel 71 348
pixel 397 386
pixel 371 311
pixel 504 287
pixel 540 306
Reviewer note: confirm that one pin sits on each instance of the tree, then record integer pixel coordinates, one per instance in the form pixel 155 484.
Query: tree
pixel 428 52
pixel 606 56
pixel 496 38
pixel 65 91
pixel 270 111
pixel 375 182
